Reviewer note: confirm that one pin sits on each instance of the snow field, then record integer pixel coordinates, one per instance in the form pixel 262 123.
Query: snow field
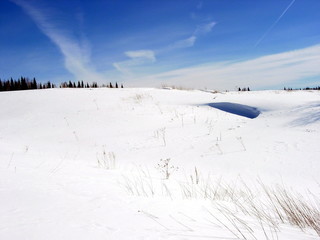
pixel 79 164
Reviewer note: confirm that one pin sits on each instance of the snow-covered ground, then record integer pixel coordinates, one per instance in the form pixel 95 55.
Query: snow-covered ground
pixel 93 163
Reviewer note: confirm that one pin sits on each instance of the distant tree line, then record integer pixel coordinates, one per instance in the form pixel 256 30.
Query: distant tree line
pixel 306 88
pixel 243 89
pixel 81 84
pixel 23 83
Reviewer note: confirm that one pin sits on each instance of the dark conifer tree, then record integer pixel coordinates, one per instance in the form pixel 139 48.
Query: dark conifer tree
pixel 7 86
pixel 24 85
pixel 11 84
pixel 19 84
pixel 34 84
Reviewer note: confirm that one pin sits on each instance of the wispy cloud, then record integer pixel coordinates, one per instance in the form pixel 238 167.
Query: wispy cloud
pixel 204 28
pixel 138 57
pixel 185 43
pixel 274 24
pixel 201 29
pixel 142 54
pixel 143 57
pixel 273 70
pixel 76 52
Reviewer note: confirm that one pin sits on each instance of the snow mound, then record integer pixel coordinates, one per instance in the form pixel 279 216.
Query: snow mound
pixel 236 108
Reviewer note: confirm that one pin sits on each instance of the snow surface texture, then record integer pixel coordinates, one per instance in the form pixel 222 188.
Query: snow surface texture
pixel 91 164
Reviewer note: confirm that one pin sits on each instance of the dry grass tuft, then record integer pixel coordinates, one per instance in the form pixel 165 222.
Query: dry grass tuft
pixel 238 204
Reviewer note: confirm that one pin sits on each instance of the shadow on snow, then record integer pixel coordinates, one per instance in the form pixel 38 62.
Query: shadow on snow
pixel 310 114
pixel 237 109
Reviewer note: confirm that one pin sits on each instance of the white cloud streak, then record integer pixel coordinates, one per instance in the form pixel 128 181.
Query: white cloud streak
pixel 205 28
pixel 262 72
pixel 142 54
pixel 185 43
pixel 190 41
pixel 274 24
pixel 138 57
pixel 76 53
pixel 141 57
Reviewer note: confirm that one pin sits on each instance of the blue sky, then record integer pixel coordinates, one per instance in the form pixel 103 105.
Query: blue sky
pixel 215 44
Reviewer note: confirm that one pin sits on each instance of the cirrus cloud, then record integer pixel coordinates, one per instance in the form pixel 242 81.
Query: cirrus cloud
pixel 76 52
pixel 142 54
pixel 138 57
pixel 272 70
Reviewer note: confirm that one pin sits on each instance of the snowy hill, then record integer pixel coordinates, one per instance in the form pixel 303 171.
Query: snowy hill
pixel 157 164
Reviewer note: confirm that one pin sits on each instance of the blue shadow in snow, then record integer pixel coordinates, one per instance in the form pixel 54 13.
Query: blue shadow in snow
pixel 311 115
pixel 235 108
